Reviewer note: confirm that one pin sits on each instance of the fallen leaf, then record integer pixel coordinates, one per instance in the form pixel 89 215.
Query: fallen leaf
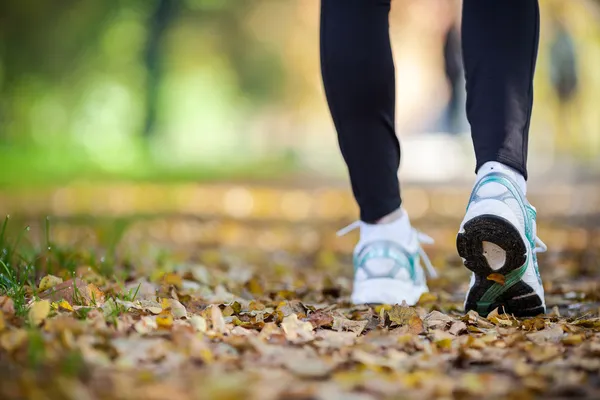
pixel 38 312
pixel 7 306
pixel 164 320
pixel 64 305
pixel 74 291
pixel 49 281
pixel 199 323
pixel 297 330
pixel 340 323
pixel 217 320
pixel 146 325
pixel 2 321
pixel 151 306
pixel 458 328
pixel 573 340
pixel 334 340
pixel 437 320
pixel 442 339
pixel 177 309
pixel 401 314
pixel 12 340
pixel 308 367
pixel 320 319
pixel 172 278
pixel 240 331
pixel 404 315
pixel 553 334
pixel 427 297
pixel 498 278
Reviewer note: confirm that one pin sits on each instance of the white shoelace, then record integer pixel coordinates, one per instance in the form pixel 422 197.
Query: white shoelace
pixel 421 238
pixel 541 246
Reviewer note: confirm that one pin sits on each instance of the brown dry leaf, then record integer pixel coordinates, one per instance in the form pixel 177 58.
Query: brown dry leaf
pixel 472 318
pixel 500 319
pixel 308 367
pixel 401 314
pixel 292 307
pixel 437 320
pixel 240 331
pixel 335 340
pixel 340 323
pixel 7 306
pixel 458 328
pixel 74 291
pixel 498 278
pixel 553 334
pixel 49 281
pixel 150 306
pixel 217 320
pixel 12 340
pixel 404 315
pixel 146 325
pixel 533 324
pixel 296 330
pixel 38 312
pixel 177 309
pixel 544 353
pixel 320 319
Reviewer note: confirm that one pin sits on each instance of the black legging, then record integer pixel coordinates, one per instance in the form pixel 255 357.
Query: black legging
pixel 500 40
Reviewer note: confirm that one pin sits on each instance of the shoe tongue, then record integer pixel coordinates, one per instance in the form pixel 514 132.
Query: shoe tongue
pixel 399 231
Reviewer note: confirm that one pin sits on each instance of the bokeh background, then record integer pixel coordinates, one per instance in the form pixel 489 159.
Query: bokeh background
pixel 215 108
pixel 197 88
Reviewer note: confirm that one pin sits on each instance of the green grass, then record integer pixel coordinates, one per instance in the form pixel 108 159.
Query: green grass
pixel 27 165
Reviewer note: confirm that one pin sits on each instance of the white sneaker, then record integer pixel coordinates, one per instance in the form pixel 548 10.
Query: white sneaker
pixel 387 268
pixel 498 236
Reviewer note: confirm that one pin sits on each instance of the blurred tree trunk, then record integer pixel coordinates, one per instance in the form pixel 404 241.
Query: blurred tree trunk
pixel 159 23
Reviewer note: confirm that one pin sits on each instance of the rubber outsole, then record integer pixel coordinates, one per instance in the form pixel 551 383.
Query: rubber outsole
pixel 516 298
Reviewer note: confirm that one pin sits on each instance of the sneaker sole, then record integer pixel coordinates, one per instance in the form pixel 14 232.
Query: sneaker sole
pixel 514 296
pixel 386 291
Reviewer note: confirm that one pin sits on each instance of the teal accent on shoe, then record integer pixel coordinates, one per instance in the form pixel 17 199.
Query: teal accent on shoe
pixel 529 215
pixel 389 250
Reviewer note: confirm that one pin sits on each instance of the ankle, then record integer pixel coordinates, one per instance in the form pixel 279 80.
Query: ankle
pixel 494 166
pixel 391 217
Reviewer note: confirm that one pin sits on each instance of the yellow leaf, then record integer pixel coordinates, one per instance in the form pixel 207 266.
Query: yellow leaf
pixel 164 320
pixel 49 281
pixel 173 279
pixel 571 340
pixel 2 322
pixel 498 278
pixel 401 314
pixel 65 305
pixel 12 340
pixel 427 297
pixel 38 312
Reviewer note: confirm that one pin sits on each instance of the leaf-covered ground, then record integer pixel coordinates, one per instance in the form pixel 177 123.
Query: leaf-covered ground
pixel 219 323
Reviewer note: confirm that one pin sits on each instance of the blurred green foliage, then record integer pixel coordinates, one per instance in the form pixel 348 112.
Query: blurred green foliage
pixel 197 89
